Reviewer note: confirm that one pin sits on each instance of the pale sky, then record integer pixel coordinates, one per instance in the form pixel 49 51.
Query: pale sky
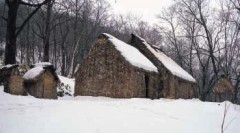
pixel 147 9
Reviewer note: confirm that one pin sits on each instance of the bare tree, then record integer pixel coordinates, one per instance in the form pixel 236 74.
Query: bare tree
pixel 169 28
pixel 192 27
pixel 13 30
pixel 47 31
pixel 91 20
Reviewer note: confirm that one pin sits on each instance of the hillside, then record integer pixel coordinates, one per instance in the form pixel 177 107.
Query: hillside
pixel 108 115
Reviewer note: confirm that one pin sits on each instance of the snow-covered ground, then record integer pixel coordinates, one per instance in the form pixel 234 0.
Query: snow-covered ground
pixel 19 114
pixel 67 85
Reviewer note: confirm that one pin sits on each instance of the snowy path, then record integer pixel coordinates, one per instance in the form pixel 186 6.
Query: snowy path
pixel 106 115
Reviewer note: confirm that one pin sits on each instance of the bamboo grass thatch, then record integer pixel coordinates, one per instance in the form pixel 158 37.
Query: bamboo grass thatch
pixel 222 90
pixel 223 85
pixel 172 86
pixel 11 78
pixel 105 72
pixel 44 85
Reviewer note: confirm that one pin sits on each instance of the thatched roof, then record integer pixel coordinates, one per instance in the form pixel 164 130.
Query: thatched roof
pixel 33 73
pixel 37 70
pixel 223 85
pixel 131 54
pixel 160 59
pixel 9 67
pixel 5 72
pixel 43 64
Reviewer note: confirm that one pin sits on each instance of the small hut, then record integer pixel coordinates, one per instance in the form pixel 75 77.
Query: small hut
pixel 222 90
pixel 116 69
pixel 11 77
pixel 175 81
pixel 41 81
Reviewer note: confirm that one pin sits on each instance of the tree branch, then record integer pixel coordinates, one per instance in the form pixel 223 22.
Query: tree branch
pixel 4 18
pixel 30 16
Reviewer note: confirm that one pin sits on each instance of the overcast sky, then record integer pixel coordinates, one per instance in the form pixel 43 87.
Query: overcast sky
pixel 147 9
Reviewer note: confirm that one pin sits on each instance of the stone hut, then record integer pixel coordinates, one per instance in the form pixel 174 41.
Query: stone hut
pixel 116 69
pixel 222 90
pixel 11 78
pixel 41 81
pixel 175 81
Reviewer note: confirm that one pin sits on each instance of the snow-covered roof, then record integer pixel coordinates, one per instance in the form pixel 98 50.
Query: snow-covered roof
pixel 8 66
pixel 171 65
pixel 42 64
pixel 33 73
pixel 132 55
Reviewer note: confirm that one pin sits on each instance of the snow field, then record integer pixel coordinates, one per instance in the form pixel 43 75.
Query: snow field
pixel 108 115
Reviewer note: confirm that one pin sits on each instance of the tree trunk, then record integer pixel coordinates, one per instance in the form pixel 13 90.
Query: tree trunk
pixel 12 31
pixel 28 45
pixel 33 49
pixel 47 32
pixel 63 59
pixel 11 38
